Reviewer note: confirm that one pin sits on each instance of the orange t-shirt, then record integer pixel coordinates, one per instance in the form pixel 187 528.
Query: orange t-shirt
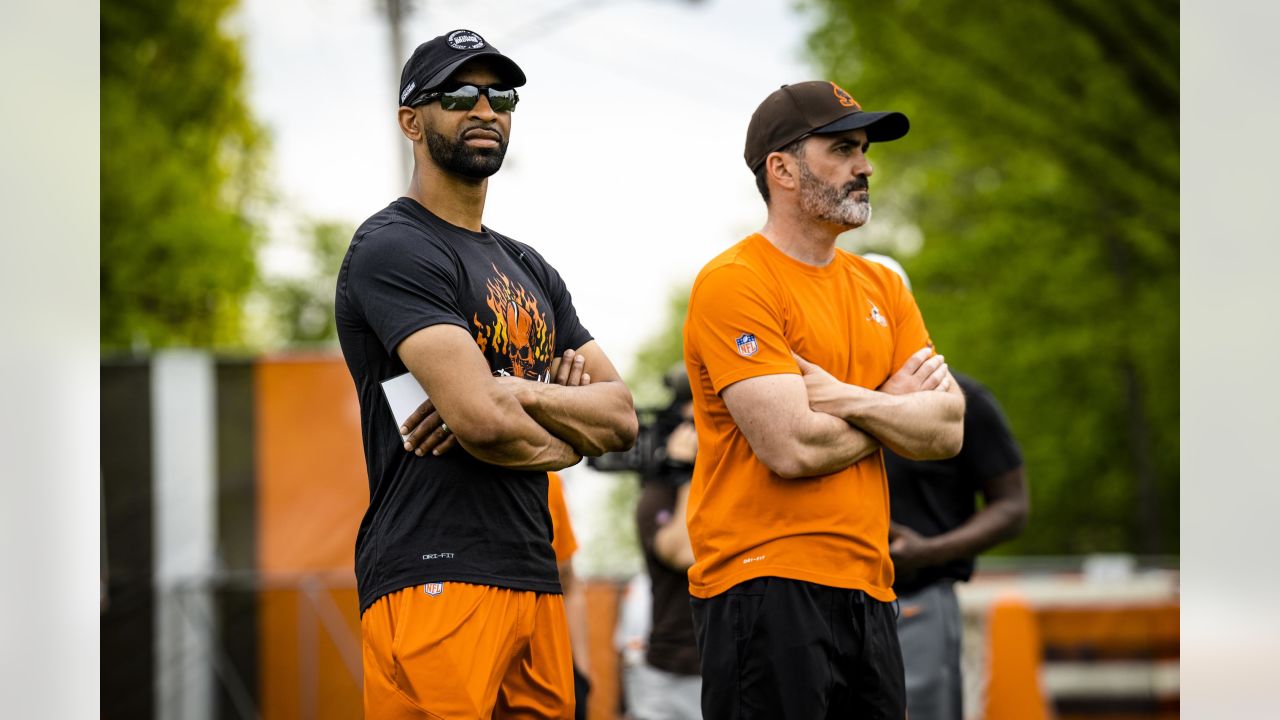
pixel 749 309
pixel 562 538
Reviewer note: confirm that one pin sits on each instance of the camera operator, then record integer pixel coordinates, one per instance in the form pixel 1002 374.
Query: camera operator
pixel 667 685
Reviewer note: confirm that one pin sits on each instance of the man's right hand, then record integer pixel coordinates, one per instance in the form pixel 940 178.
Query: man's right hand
pixel 429 433
pixel 919 373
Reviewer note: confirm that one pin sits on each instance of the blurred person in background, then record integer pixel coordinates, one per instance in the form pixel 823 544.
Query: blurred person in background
pixel 631 632
pixel 805 360
pixel 936 531
pixel 665 683
pixel 462 614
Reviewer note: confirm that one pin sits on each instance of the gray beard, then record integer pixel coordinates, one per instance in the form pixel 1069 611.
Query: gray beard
pixel 456 157
pixel 830 203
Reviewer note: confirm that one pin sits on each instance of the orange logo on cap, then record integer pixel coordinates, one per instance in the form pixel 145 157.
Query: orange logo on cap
pixel 844 97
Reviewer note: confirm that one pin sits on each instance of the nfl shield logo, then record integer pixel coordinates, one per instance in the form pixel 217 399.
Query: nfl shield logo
pixel 747 344
pixel 433 589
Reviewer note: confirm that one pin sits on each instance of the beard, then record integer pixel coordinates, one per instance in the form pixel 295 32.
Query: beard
pixel 834 204
pixel 455 156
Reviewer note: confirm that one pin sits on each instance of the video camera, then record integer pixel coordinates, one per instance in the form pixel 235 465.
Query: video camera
pixel 648 456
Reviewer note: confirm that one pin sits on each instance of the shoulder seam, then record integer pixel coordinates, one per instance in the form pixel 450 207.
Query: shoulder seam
pixel 728 262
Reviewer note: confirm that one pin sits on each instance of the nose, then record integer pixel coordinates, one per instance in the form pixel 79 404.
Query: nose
pixel 482 110
pixel 863 167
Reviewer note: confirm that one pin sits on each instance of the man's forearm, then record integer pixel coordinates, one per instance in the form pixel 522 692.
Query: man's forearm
pixel 990 526
pixel 921 426
pixel 593 419
pixel 518 441
pixel 824 444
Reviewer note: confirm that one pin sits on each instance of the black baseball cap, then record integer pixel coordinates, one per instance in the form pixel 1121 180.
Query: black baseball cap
pixel 815 107
pixel 435 60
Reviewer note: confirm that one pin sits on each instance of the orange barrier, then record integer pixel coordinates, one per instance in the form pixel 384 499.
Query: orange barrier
pixel 312 484
pixel 1147 631
pixel 312 490
pixel 1014 691
pixel 1138 640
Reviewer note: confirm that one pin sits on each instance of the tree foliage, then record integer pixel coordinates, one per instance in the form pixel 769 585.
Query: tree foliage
pixel 660 353
pixel 180 162
pixel 301 306
pixel 1042 170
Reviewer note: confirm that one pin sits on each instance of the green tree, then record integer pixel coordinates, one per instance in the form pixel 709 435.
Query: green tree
pixel 660 353
pixel 1042 171
pixel 180 166
pixel 301 307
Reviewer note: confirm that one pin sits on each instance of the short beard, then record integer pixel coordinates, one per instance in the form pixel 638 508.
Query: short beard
pixel 832 204
pixel 457 157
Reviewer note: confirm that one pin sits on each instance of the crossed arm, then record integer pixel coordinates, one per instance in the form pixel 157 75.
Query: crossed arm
pixel 915 421
pixel 813 424
pixel 511 421
pixel 595 414
pixel 788 436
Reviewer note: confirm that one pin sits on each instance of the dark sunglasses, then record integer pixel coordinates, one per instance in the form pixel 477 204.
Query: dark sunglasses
pixel 465 97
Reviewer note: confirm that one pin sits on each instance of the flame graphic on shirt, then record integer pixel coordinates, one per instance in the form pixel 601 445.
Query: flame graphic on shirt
pixel 518 329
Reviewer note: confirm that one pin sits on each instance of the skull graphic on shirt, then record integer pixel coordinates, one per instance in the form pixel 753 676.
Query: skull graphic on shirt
pixel 518 330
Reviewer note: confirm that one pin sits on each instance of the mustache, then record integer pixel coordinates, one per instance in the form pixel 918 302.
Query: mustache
pixel 858 183
pixel 491 127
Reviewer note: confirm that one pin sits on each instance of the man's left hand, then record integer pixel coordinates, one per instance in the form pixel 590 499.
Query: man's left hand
pixel 922 371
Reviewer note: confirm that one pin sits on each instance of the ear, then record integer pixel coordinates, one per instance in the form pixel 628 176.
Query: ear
pixel 410 123
pixel 784 170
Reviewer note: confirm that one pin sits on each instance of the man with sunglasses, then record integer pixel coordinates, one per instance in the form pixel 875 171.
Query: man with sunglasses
pixel 461 608
pixel 805 361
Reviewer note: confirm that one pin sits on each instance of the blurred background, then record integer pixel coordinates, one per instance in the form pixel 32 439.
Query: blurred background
pixel 1035 205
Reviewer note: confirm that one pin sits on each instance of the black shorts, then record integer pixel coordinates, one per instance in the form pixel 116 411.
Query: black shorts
pixel 779 648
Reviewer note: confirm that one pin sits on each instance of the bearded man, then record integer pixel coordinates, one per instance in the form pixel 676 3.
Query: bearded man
pixel 461 608
pixel 805 361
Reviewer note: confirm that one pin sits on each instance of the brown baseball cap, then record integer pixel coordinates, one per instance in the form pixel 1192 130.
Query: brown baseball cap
pixel 813 108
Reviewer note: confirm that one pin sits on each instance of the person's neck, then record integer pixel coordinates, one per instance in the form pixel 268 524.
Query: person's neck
pixel 804 238
pixel 454 199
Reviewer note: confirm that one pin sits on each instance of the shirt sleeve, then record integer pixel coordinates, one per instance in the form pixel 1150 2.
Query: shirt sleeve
pixel 401 284
pixel 736 327
pixel 910 333
pixel 989 446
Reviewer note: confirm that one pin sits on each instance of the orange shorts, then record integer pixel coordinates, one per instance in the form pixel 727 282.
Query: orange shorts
pixel 455 650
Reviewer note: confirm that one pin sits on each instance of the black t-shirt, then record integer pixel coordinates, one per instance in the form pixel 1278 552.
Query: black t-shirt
pixel 672 644
pixel 448 518
pixel 935 497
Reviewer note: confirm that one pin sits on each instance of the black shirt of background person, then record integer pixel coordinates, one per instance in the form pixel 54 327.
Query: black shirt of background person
pixel 672 644
pixel 937 496
pixel 453 517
